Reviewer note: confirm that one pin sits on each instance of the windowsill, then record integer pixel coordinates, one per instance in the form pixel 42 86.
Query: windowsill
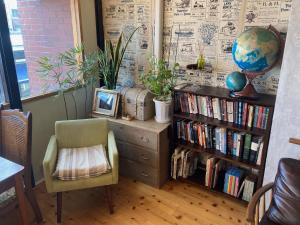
pixel 42 96
pixel 6 105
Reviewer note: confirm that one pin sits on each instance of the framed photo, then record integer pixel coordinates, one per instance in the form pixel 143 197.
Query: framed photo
pixel 106 102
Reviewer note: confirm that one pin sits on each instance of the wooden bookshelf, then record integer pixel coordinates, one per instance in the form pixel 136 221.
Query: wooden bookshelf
pixel 222 93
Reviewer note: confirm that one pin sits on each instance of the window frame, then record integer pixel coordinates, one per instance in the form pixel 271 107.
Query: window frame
pixel 8 74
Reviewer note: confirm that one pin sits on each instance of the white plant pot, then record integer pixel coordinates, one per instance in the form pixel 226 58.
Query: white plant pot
pixel 163 111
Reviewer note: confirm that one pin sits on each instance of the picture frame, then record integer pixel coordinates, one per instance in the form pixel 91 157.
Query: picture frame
pixel 106 102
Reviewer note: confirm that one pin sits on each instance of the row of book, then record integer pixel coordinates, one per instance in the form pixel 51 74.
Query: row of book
pixel 185 162
pixel 243 145
pixel 237 112
pixel 235 184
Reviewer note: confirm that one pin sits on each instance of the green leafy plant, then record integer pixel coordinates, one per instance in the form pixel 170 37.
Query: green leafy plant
pixel 110 60
pixel 160 79
pixel 70 69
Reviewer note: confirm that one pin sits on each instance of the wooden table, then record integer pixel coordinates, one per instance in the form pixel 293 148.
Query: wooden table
pixel 11 175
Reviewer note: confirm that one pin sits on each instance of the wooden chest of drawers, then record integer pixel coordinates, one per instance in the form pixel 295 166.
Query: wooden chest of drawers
pixel 143 150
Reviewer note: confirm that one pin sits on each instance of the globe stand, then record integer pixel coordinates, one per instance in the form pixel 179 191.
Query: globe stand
pixel 248 92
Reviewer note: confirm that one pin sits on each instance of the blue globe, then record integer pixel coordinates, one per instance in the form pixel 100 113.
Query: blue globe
pixel 256 49
pixel 236 81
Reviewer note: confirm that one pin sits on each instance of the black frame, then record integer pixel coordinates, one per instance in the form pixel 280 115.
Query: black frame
pixel 99 24
pixel 7 62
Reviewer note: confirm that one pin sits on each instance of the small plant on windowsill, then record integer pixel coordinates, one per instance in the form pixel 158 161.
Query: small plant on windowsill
pixel 160 80
pixel 70 69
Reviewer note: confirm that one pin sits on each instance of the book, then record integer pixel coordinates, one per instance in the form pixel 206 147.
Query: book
pixel 218 167
pixel 239 144
pixel 241 189
pixel 255 118
pixel 230 111
pixel 250 115
pixel 249 188
pixel 255 143
pixel 240 113
pixel 247 146
pixel 245 113
pixel 259 155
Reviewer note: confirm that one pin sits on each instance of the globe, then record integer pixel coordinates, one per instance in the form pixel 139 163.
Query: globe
pixel 256 50
pixel 236 81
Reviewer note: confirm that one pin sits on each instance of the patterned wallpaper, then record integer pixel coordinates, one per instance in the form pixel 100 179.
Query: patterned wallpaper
pixel 124 16
pixel 209 27
pixel 192 27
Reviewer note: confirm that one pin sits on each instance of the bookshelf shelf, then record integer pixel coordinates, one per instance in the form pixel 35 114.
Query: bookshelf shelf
pixel 218 154
pixel 186 115
pixel 219 123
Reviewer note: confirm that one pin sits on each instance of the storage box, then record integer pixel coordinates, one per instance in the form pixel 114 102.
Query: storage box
pixel 137 102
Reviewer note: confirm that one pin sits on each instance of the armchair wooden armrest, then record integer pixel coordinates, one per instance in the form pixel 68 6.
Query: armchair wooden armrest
pixel 253 207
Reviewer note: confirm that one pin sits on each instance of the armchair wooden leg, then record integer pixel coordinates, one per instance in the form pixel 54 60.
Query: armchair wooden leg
pixel 108 192
pixel 59 206
pixel 31 198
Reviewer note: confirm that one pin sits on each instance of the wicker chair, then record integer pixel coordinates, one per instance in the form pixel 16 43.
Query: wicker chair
pixel 15 134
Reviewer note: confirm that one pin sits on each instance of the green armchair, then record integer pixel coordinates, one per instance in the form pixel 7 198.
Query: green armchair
pixel 76 134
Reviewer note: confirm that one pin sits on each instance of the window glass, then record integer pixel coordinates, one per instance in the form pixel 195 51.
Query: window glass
pixel 37 28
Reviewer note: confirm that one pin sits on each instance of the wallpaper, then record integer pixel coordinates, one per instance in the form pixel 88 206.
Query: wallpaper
pixel 209 27
pixel 192 27
pixel 125 16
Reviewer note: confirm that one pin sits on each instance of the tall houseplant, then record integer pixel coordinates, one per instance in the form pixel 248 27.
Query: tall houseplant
pixel 110 60
pixel 70 69
pixel 160 80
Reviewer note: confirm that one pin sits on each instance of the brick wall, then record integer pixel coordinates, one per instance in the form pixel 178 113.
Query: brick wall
pixel 47 30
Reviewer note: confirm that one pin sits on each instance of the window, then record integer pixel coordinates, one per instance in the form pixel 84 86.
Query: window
pixel 37 28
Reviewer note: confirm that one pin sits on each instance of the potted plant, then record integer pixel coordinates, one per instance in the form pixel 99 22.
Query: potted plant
pixel 110 60
pixel 160 80
pixel 70 69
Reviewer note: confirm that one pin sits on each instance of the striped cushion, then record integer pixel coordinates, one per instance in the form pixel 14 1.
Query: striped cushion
pixel 77 163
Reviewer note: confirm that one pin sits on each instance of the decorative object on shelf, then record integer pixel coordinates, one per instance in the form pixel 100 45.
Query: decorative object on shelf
pixel 236 81
pixel 256 51
pixel 106 102
pixel 160 80
pixel 201 62
pixel 207 68
pixel 110 60
pixel 137 103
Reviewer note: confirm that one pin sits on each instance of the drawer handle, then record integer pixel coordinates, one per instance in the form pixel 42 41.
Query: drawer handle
pixel 144 174
pixel 144 157
pixel 144 139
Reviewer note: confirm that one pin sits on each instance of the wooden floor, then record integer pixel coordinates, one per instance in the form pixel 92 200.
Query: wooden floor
pixel 136 203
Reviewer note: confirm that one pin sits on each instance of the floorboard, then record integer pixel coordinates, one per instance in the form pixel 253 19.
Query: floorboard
pixel 176 203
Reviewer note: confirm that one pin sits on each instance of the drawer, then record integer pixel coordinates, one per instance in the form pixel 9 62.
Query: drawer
pixel 134 135
pixel 139 172
pixel 136 153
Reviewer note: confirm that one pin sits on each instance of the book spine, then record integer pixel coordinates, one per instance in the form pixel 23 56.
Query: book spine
pixel 236 187
pixel 247 146
pixel 267 118
pixel 260 110
pixel 230 112
pixel 250 116
pixel 255 116
pixel 245 114
pixel 240 113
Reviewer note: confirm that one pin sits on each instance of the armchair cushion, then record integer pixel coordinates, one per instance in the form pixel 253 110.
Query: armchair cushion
pixel 78 163
pixel 285 204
